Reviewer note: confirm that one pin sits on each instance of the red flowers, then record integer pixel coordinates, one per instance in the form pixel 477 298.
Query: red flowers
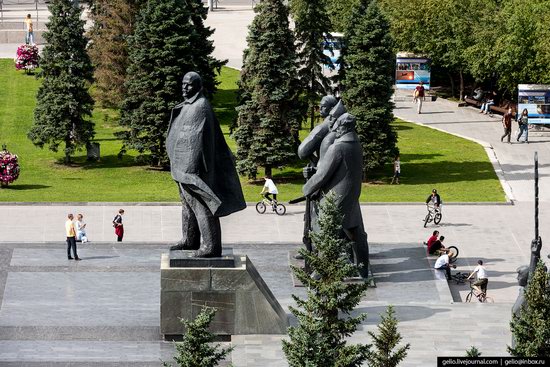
pixel 9 167
pixel 27 58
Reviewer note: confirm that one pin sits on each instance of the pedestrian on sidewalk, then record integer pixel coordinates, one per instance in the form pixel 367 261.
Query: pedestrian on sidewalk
pixel 81 229
pixel 507 124
pixel 396 170
pixel 71 237
pixel 419 96
pixel 119 227
pixel 523 123
pixel 29 32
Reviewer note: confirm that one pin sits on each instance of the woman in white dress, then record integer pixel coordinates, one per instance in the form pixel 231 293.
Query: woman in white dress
pixel 81 229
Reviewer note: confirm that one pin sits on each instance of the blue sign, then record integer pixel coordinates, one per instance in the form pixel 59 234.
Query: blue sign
pixel 536 99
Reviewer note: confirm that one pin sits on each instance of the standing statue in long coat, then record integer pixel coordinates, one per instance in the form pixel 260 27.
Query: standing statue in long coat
pixel 340 170
pixel 203 167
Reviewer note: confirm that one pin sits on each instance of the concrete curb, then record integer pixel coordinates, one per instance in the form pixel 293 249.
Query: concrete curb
pixel 491 154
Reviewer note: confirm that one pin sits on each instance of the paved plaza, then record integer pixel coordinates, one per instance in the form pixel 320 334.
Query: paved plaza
pixel 104 310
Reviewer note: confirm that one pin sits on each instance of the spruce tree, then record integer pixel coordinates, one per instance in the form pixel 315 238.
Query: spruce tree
pixel 368 82
pixel 166 43
pixel 63 103
pixel 312 29
pixel 386 341
pixel 473 352
pixel 113 23
pixel 196 349
pixel 531 330
pixel 324 321
pixel 269 113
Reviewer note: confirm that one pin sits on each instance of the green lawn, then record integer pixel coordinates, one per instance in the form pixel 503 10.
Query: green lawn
pixel 457 167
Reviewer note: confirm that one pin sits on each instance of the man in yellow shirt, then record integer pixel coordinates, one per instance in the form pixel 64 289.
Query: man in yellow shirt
pixel 71 237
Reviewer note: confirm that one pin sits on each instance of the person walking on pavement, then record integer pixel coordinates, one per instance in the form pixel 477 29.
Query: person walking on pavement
pixel 523 122
pixel 396 170
pixel 507 124
pixel 419 96
pixel 71 238
pixel 119 227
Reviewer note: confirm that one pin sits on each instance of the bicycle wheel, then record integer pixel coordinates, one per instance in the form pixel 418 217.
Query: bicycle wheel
pixel 469 297
pixel 427 219
pixel 437 218
pixel 489 300
pixel 453 253
pixel 260 207
pixel 280 209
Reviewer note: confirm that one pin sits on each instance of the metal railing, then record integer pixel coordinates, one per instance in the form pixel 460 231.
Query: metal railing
pixel 8 7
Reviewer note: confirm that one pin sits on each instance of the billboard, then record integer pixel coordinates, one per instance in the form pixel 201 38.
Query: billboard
pixel 536 99
pixel 410 70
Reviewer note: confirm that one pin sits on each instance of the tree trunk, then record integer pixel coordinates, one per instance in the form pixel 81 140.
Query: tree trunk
pixel 312 120
pixel 68 145
pixel 268 170
pixel 461 74
pixel 452 84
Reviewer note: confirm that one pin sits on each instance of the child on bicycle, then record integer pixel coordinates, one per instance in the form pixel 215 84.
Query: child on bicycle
pixel 269 189
pixel 481 284
pixel 435 199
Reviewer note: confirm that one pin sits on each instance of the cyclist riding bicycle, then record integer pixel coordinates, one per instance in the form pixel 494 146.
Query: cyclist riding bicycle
pixel 269 189
pixel 481 283
pixel 435 199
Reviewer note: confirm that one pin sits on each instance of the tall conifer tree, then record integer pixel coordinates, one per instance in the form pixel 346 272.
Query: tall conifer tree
pixel 312 30
pixel 113 23
pixel 324 323
pixel 531 330
pixel 165 45
pixel 63 103
pixel 269 113
pixel 368 82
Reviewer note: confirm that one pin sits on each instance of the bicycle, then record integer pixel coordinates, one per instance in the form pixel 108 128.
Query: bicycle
pixel 452 251
pixel 459 277
pixel 277 207
pixel 433 214
pixel 481 297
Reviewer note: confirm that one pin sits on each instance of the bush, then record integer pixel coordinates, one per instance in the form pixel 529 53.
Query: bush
pixel 27 58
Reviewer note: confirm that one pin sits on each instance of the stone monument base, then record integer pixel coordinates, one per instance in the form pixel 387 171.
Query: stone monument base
pixel 231 284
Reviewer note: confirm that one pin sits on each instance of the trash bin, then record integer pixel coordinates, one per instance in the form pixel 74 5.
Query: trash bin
pixel 92 151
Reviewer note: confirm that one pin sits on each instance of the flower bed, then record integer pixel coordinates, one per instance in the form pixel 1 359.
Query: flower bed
pixel 9 167
pixel 27 58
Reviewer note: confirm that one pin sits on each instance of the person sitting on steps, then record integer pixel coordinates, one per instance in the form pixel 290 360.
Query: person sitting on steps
pixel 444 263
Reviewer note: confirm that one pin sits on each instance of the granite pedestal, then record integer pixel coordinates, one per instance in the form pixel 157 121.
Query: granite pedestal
pixel 231 284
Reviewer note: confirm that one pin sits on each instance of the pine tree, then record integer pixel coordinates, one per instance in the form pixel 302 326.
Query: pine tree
pixel 196 349
pixel 63 102
pixel 165 45
pixel 531 330
pixel 269 113
pixel 113 23
pixel 368 82
pixel 320 338
pixel 312 29
pixel 473 352
pixel 386 341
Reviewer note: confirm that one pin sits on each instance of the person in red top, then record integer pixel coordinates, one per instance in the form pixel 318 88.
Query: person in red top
pixel 507 125
pixel 432 239
pixel 419 95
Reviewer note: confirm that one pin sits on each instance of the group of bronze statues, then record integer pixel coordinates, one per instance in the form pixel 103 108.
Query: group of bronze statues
pixel 203 168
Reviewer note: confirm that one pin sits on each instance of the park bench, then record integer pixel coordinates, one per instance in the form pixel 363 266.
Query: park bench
pixel 503 106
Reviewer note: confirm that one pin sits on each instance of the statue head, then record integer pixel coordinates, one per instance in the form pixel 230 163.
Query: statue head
pixel 344 125
pixel 327 103
pixel 191 84
pixel 523 275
